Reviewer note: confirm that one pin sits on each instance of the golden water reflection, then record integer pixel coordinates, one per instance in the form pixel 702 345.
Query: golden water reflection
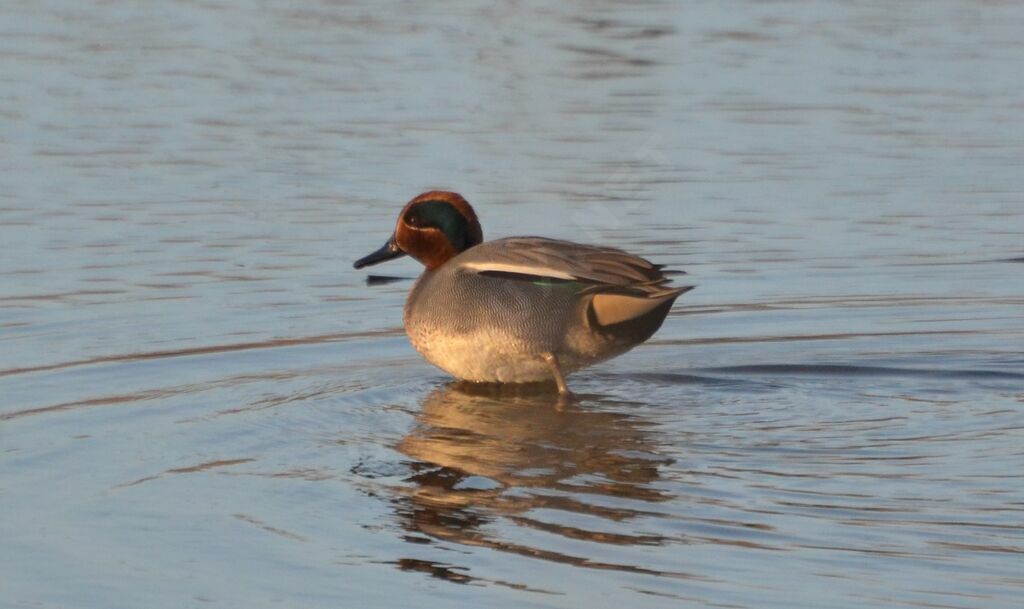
pixel 488 455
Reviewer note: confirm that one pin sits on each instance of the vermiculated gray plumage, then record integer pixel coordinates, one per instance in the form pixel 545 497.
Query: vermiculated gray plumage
pixel 490 313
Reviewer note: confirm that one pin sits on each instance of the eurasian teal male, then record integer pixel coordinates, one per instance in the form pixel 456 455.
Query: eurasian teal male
pixel 519 309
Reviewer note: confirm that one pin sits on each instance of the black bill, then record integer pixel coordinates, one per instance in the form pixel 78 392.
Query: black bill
pixel 390 251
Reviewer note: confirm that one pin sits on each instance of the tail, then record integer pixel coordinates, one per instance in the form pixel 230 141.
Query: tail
pixel 617 307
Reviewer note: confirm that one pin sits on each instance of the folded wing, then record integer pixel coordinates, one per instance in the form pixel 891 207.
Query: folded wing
pixel 624 287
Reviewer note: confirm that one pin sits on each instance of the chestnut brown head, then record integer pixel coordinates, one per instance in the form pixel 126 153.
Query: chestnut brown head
pixel 433 228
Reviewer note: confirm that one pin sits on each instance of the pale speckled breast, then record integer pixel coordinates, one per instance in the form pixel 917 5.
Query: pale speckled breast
pixel 487 329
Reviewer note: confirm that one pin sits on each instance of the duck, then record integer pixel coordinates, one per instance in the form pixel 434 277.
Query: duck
pixel 519 309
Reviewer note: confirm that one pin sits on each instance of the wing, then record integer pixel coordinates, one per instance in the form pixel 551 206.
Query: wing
pixel 624 286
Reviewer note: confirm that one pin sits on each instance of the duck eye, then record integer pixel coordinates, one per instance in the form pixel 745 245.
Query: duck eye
pixel 413 220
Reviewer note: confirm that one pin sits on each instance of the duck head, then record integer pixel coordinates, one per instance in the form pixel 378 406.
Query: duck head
pixel 433 228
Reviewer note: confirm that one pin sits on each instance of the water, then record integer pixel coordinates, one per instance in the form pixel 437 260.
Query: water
pixel 201 404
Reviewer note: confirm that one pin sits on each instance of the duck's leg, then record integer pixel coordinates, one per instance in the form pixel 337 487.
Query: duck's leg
pixel 552 363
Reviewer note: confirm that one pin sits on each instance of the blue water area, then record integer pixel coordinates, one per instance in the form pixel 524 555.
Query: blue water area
pixel 203 405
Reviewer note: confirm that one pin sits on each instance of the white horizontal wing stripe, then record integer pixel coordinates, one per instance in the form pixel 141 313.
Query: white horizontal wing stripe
pixel 506 267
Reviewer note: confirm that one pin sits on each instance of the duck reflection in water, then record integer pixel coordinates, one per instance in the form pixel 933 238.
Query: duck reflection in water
pixel 486 453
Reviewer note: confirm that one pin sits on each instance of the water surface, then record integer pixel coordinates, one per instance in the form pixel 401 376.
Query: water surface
pixel 201 404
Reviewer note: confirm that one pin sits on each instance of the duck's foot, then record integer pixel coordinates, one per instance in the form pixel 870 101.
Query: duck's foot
pixel 552 361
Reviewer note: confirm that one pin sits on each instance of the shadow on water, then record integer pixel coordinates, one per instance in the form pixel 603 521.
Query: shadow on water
pixel 764 377
pixel 869 371
pixel 373 280
pixel 484 454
